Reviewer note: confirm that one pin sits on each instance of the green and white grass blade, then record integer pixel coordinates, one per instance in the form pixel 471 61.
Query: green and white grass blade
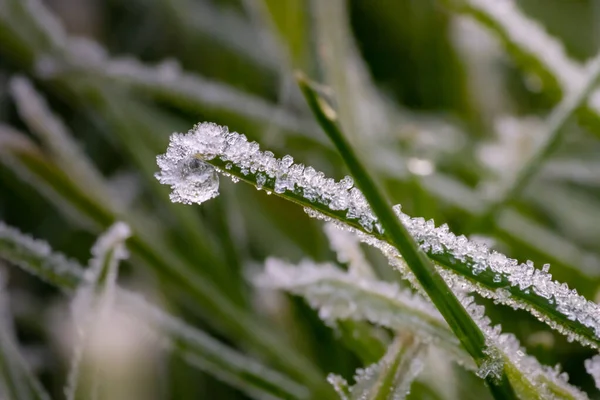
pixel 474 267
pixel 222 25
pixel 363 112
pixel 193 345
pixel 17 382
pixel 446 301
pixel 468 266
pixel 339 296
pixel 515 226
pixel 391 377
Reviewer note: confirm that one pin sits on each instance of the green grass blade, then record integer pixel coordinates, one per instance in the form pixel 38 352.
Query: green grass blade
pixel 434 285
pixel 474 266
pixel 341 296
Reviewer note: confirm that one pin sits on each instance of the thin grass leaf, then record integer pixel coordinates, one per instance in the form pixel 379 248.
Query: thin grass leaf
pixel 22 156
pixel 363 112
pixel 515 226
pixel 17 382
pixel 167 82
pixel 390 378
pixel 432 283
pixel 222 24
pixel 193 345
pixel 35 112
pixel 340 296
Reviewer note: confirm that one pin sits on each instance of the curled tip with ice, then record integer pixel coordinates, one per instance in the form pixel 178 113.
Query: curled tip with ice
pixel 182 167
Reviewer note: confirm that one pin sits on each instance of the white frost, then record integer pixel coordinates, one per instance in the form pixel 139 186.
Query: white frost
pixel 207 141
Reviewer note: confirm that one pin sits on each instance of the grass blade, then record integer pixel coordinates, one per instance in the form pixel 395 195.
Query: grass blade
pixel 434 285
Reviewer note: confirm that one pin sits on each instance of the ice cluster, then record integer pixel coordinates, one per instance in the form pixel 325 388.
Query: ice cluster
pixel 209 141
pixel 518 285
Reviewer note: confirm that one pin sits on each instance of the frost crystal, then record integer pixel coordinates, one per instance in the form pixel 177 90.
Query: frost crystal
pixel 398 368
pixel 592 366
pixel 513 283
pixel 503 279
pixel 339 295
pixel 230 152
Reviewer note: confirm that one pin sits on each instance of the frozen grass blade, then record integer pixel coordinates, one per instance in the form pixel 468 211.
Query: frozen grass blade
pixel 390 378
pixel 534 49
pixel 340 296
pixel 432 283
pixel 194 346
pixel 469 266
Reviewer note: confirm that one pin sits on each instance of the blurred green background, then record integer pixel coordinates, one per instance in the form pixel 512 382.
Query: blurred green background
pixel 436 105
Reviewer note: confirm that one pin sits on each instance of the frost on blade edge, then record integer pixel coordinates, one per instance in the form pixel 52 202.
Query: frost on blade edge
pixel 231 154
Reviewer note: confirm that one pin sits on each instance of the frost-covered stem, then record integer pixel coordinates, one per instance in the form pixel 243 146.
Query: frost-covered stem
pixel 434 285
pixel 339 295
pixel 554 130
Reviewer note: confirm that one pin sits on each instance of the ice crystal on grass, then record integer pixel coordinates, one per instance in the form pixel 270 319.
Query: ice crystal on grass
pixel 508 276
pixel 339 295
pixel 388 379
pixel 230 150
pixel 592 366
pixel 466 265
